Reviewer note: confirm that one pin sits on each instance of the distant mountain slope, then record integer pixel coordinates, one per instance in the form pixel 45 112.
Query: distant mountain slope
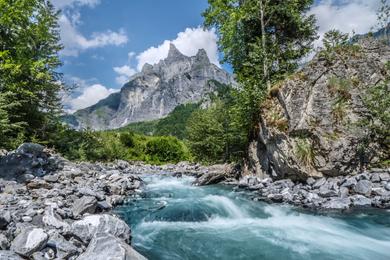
pixel 154 92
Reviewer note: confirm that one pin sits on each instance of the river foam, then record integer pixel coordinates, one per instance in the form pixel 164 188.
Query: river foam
pixel 212 223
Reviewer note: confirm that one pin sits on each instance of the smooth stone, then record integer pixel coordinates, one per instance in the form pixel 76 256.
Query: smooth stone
pixel 384 176
pixel 360 201
pixel 4 242
pixel 319 183
pixel 363 187
pixel 86 204
pixel 87 227
pixel 51 219
pixel 64 248
pixel 387 187
pixel 30 240
pixel 350 182
pixel 337 204
pixel 106 246
pixel 9 255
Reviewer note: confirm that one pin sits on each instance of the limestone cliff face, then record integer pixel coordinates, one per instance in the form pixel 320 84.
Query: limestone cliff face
pixel 154 92
pixel 309 124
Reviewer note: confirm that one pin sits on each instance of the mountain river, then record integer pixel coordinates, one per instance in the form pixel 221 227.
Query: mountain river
pixel 175 220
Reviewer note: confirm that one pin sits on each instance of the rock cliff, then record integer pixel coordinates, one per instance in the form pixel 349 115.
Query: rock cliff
pixel 310 123
pixel 154 92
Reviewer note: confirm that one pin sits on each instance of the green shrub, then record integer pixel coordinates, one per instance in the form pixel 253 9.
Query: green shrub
pixel 127 139
pixel 304 151
pixel 166 149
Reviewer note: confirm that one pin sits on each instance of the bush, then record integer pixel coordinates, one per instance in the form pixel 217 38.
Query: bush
pixel 127 139
pixel 166 149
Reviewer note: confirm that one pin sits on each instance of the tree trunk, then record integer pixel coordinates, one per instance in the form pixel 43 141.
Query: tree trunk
pixel 264 46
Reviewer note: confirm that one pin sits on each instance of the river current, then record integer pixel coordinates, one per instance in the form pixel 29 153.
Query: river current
pixel 175 220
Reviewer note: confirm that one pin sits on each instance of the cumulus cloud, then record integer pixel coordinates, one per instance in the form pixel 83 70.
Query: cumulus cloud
pixel 90 95
pixel 124 74
pixel 66 3
pixel 345 15
pixel 75 42
pixel 188 42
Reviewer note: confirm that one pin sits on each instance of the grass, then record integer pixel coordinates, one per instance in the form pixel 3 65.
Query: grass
pixel 303 150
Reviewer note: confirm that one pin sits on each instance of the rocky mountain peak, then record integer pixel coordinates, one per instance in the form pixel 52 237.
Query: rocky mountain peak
pixel 201 57
pixel 155 91
pixel 174 54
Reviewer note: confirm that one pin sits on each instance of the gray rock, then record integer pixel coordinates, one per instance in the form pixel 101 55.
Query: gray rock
pixel 305 103
pixel 363 187
pixel 51 178
pixel 64 248
pixel 106 246
pixel 360 201
pixel 319 183
pixel 86 228
pixel 30 240
pixel 5 219
pixel 384 176
pixel 4 242
pixel 86 204
pixel 337 204
pixel 387 186
pixel 350 182
pixel 155 92
pixel 9 255
pixel 375 177
pixel 51 219
pixel 310 181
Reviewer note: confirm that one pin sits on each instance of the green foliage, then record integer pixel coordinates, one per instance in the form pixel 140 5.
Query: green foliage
pixel 304 151
pixel 263 40
pixel 172 125
pixel 166 149
pixel 127 139
pixel 29 37
pixel 335 38
pixel 112 145
pixel 377 101
pixel 216 134
pixel 340 88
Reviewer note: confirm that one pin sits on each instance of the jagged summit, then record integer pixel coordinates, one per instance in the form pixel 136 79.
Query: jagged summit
pixel 174 53
pixel 202 57
pixel 155 91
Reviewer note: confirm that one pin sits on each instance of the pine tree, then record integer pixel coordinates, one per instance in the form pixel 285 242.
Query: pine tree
pixel 29 46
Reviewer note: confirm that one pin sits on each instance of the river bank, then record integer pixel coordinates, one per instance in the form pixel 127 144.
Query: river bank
pixel 173 219
pixel 53 208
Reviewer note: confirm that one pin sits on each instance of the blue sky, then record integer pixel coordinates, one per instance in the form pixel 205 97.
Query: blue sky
pixel 107 41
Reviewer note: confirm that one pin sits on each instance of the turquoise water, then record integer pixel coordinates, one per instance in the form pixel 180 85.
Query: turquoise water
pixel 174 220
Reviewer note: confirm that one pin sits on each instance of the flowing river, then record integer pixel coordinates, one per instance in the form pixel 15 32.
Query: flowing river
pixel 174 220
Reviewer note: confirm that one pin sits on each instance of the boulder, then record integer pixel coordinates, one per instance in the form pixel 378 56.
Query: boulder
pixel 86 228
pixel 4 242
pixel 30 240
pixel 5 219
pixel 86 204
pixel 337 204
pixel 64 248
pixel 51 219
pixel 384 176
pixel 210 178
pixel 360 201
pixel 105 246
pixel 363 187
pixel 9 255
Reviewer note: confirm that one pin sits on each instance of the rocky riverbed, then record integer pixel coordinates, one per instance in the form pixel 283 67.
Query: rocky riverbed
pixel 51 208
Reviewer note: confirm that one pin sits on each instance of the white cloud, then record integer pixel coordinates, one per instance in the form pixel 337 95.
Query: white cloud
pixel 345 15
pixel 75 42
pixel 90 96
pixel 124 72
pixel 188 42
pixel 70 3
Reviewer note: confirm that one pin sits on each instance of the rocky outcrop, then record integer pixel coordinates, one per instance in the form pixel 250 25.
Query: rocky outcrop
pixel 365 190
pixel 309 124
pixel 62 210
pixel 154 92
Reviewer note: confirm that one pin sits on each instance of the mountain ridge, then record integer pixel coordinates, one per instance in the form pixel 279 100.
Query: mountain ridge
pixel 154 92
